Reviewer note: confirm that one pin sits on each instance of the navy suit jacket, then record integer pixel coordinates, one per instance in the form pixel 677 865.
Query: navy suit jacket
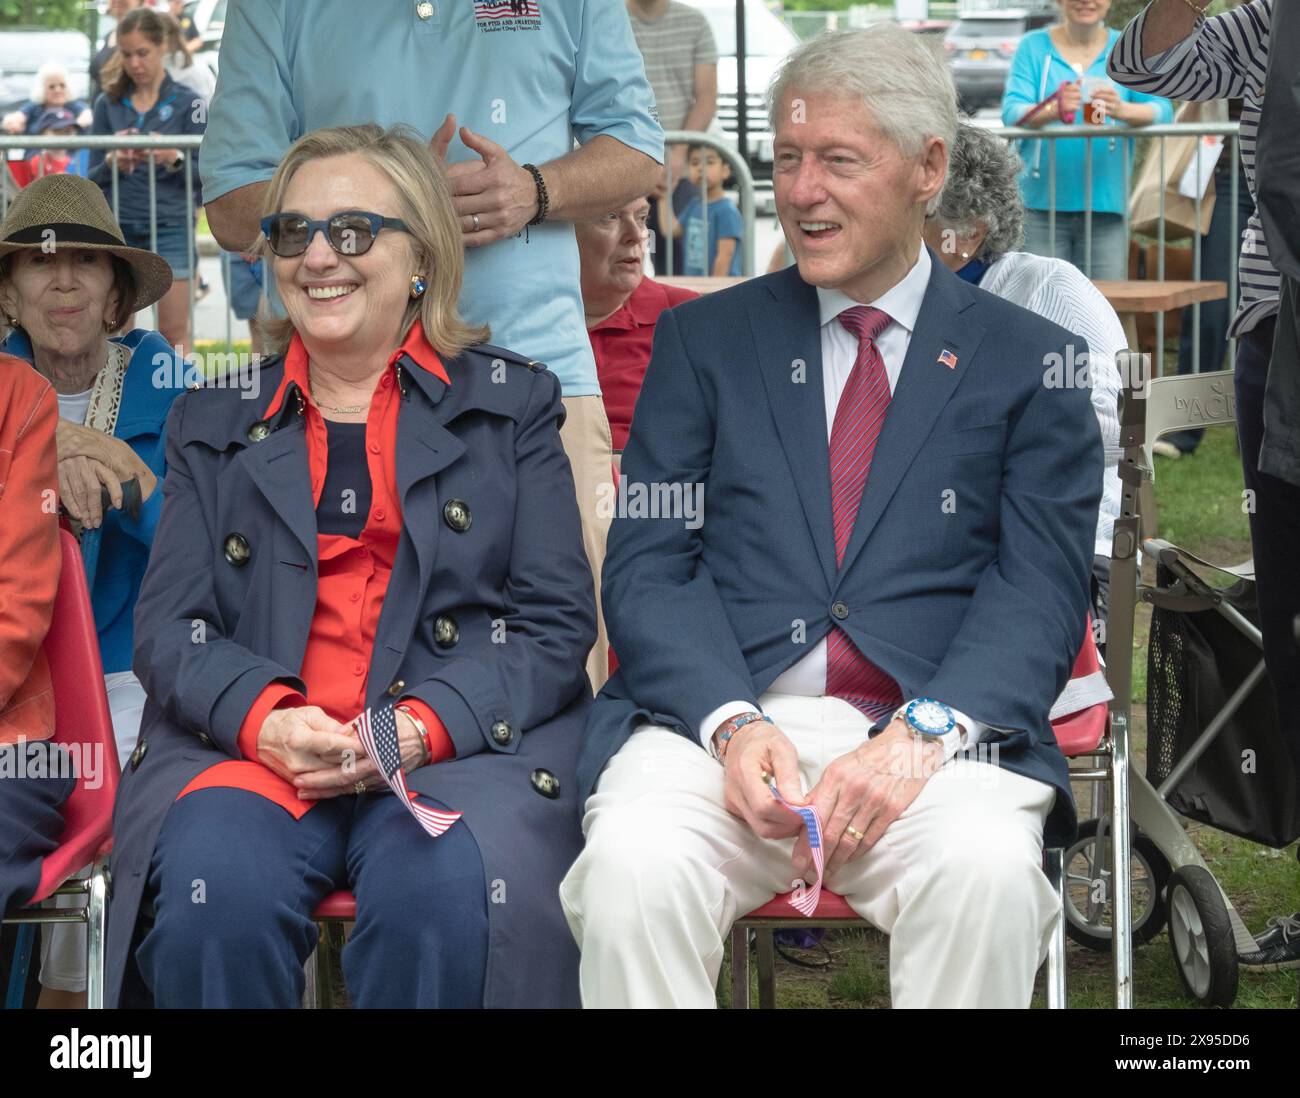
pixel 967 574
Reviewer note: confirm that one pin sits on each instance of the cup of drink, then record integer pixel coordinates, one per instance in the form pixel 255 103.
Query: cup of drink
pixel 1094 110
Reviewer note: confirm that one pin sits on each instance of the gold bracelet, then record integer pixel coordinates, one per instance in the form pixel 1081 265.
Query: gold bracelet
pixel 420 728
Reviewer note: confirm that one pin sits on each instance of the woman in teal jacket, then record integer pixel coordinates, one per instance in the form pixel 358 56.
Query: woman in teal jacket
pixel 68 282
pixel 1071 57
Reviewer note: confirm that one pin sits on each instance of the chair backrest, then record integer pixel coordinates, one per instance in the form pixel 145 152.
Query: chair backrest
pixel 1080 713
pixel 1186 400
pixel 82 721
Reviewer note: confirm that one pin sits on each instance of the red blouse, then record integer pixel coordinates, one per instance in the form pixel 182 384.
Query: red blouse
pixel 353 577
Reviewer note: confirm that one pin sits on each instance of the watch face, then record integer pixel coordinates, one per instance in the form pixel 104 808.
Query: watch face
pixel 930 717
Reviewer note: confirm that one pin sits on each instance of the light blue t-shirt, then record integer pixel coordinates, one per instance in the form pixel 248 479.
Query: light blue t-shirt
pixel 1037 70
pixel 723 222
pixel 534 83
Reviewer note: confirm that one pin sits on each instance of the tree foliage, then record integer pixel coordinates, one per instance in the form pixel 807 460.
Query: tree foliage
pixel 56 14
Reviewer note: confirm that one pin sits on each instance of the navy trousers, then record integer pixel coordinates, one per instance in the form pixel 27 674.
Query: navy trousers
pixel 30 820
pixel 1274 534
pixel 234 880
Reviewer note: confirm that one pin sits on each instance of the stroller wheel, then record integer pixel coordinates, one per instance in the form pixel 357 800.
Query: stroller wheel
pixel 1201 935
pixel 1088 901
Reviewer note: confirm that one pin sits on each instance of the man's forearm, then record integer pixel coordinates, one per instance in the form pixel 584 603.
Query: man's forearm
pixel 235 218
pixel 601 176
pixel 1168 22
pixel 701 114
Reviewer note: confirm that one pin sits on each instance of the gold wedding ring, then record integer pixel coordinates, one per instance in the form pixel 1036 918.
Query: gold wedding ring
pixel 475 217
pixel 858 836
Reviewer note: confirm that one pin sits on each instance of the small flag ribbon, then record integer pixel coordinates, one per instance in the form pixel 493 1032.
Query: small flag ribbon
pixel 804 900
pixel 377 731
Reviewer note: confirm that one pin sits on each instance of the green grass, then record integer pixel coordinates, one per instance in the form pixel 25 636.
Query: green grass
pixel 1199 506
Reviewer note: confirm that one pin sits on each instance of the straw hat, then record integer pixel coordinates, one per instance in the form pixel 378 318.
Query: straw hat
pixel 76 213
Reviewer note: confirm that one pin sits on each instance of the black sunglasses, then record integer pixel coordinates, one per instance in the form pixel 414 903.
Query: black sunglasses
pixel 349 233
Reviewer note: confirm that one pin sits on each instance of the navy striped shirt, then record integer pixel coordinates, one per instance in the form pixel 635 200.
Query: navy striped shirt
pixel 1223 58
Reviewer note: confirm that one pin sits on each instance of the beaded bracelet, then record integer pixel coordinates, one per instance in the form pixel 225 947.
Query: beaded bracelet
pixel 735 725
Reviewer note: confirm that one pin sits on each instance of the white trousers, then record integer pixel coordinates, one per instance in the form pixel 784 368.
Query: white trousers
pixel 63 945
pixel 956 881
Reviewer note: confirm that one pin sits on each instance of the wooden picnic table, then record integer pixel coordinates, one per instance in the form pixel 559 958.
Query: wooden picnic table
pixel 1129 297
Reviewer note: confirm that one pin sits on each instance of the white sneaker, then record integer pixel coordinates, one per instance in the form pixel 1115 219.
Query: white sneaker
pixel 1166 449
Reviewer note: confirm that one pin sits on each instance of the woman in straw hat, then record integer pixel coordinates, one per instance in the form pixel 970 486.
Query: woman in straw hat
pixel 68 285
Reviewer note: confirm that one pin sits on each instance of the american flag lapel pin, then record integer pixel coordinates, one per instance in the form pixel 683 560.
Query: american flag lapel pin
pixel 948 358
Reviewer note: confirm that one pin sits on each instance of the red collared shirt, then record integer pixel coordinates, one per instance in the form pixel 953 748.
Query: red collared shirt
pixel 621 343
pixel 353 576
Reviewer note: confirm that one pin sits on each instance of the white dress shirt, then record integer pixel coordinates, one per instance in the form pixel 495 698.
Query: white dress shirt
pixel 839 347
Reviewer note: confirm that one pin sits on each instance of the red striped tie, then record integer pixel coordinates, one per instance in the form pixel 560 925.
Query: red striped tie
pixel 858 419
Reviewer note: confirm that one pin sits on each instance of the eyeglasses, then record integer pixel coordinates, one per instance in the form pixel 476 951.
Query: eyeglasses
pixel 351 232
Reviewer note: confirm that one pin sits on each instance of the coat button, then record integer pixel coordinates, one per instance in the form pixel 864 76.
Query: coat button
pixel 501 732
pixel 424 9
pixel 546 783
pixel 138 754
pixel 456 512
pixel 237 550
pixel 260 430
pixel 396 688
pixel 839 611
pixel 445 631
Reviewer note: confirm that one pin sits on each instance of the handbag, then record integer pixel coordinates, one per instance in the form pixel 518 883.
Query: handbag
pixel 1180 211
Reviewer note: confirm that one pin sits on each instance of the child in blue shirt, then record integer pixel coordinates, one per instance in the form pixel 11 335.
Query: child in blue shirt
pixel 722 255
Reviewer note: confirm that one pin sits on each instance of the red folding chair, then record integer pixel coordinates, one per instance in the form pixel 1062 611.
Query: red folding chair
pixel 1078 733
pixel 82 719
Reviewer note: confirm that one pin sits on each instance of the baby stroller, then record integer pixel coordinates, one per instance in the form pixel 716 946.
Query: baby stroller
pixel 1214 750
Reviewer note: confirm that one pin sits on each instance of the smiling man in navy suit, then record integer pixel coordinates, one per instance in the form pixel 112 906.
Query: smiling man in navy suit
pixel 886 593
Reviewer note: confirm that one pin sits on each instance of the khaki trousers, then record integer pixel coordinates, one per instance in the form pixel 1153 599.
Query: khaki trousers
pixel 590 447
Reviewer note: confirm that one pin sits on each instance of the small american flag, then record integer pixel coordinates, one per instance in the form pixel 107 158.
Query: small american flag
pixel 805 900
pixel 506 9
pixel 948 358
pixel 377 731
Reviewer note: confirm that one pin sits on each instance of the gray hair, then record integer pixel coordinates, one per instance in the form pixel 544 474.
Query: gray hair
pixel 983 185
pixel 50 68
pixel 902 81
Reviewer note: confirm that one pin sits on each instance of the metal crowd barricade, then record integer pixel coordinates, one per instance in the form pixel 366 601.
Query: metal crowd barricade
pixel 739 172
pixel 188 145
pixel 1229 131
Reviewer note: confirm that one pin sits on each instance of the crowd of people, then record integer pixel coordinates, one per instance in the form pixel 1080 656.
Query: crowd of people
pixel 371 622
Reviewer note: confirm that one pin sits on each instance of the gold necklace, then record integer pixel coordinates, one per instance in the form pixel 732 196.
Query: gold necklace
pixel 340 410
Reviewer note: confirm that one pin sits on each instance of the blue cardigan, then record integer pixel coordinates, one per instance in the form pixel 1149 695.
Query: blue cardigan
pixel 116 555
pixel 1037 70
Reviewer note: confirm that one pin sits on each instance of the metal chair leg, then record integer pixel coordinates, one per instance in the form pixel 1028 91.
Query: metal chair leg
pixel 1121 871
pixel 766 968
pixel 740 967
pixel 310 998
pixel 1053 865
pixel 96 931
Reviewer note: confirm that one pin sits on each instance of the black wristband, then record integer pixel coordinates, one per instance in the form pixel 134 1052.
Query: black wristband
pixel 543 198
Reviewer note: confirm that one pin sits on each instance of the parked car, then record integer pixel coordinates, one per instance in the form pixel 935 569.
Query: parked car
pixel 23 50
pixel 979 48
pixel 767 41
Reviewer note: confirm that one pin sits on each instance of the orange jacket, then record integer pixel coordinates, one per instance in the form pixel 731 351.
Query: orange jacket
pixel 29 549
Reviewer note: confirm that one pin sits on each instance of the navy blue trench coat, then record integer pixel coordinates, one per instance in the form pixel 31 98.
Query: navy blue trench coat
pixel 488 622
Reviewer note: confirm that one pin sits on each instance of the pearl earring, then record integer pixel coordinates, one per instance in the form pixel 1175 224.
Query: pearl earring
pixel 965 255
pixel 418 286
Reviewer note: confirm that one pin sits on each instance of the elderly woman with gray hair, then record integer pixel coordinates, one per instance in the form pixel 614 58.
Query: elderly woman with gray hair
pixel 976 228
